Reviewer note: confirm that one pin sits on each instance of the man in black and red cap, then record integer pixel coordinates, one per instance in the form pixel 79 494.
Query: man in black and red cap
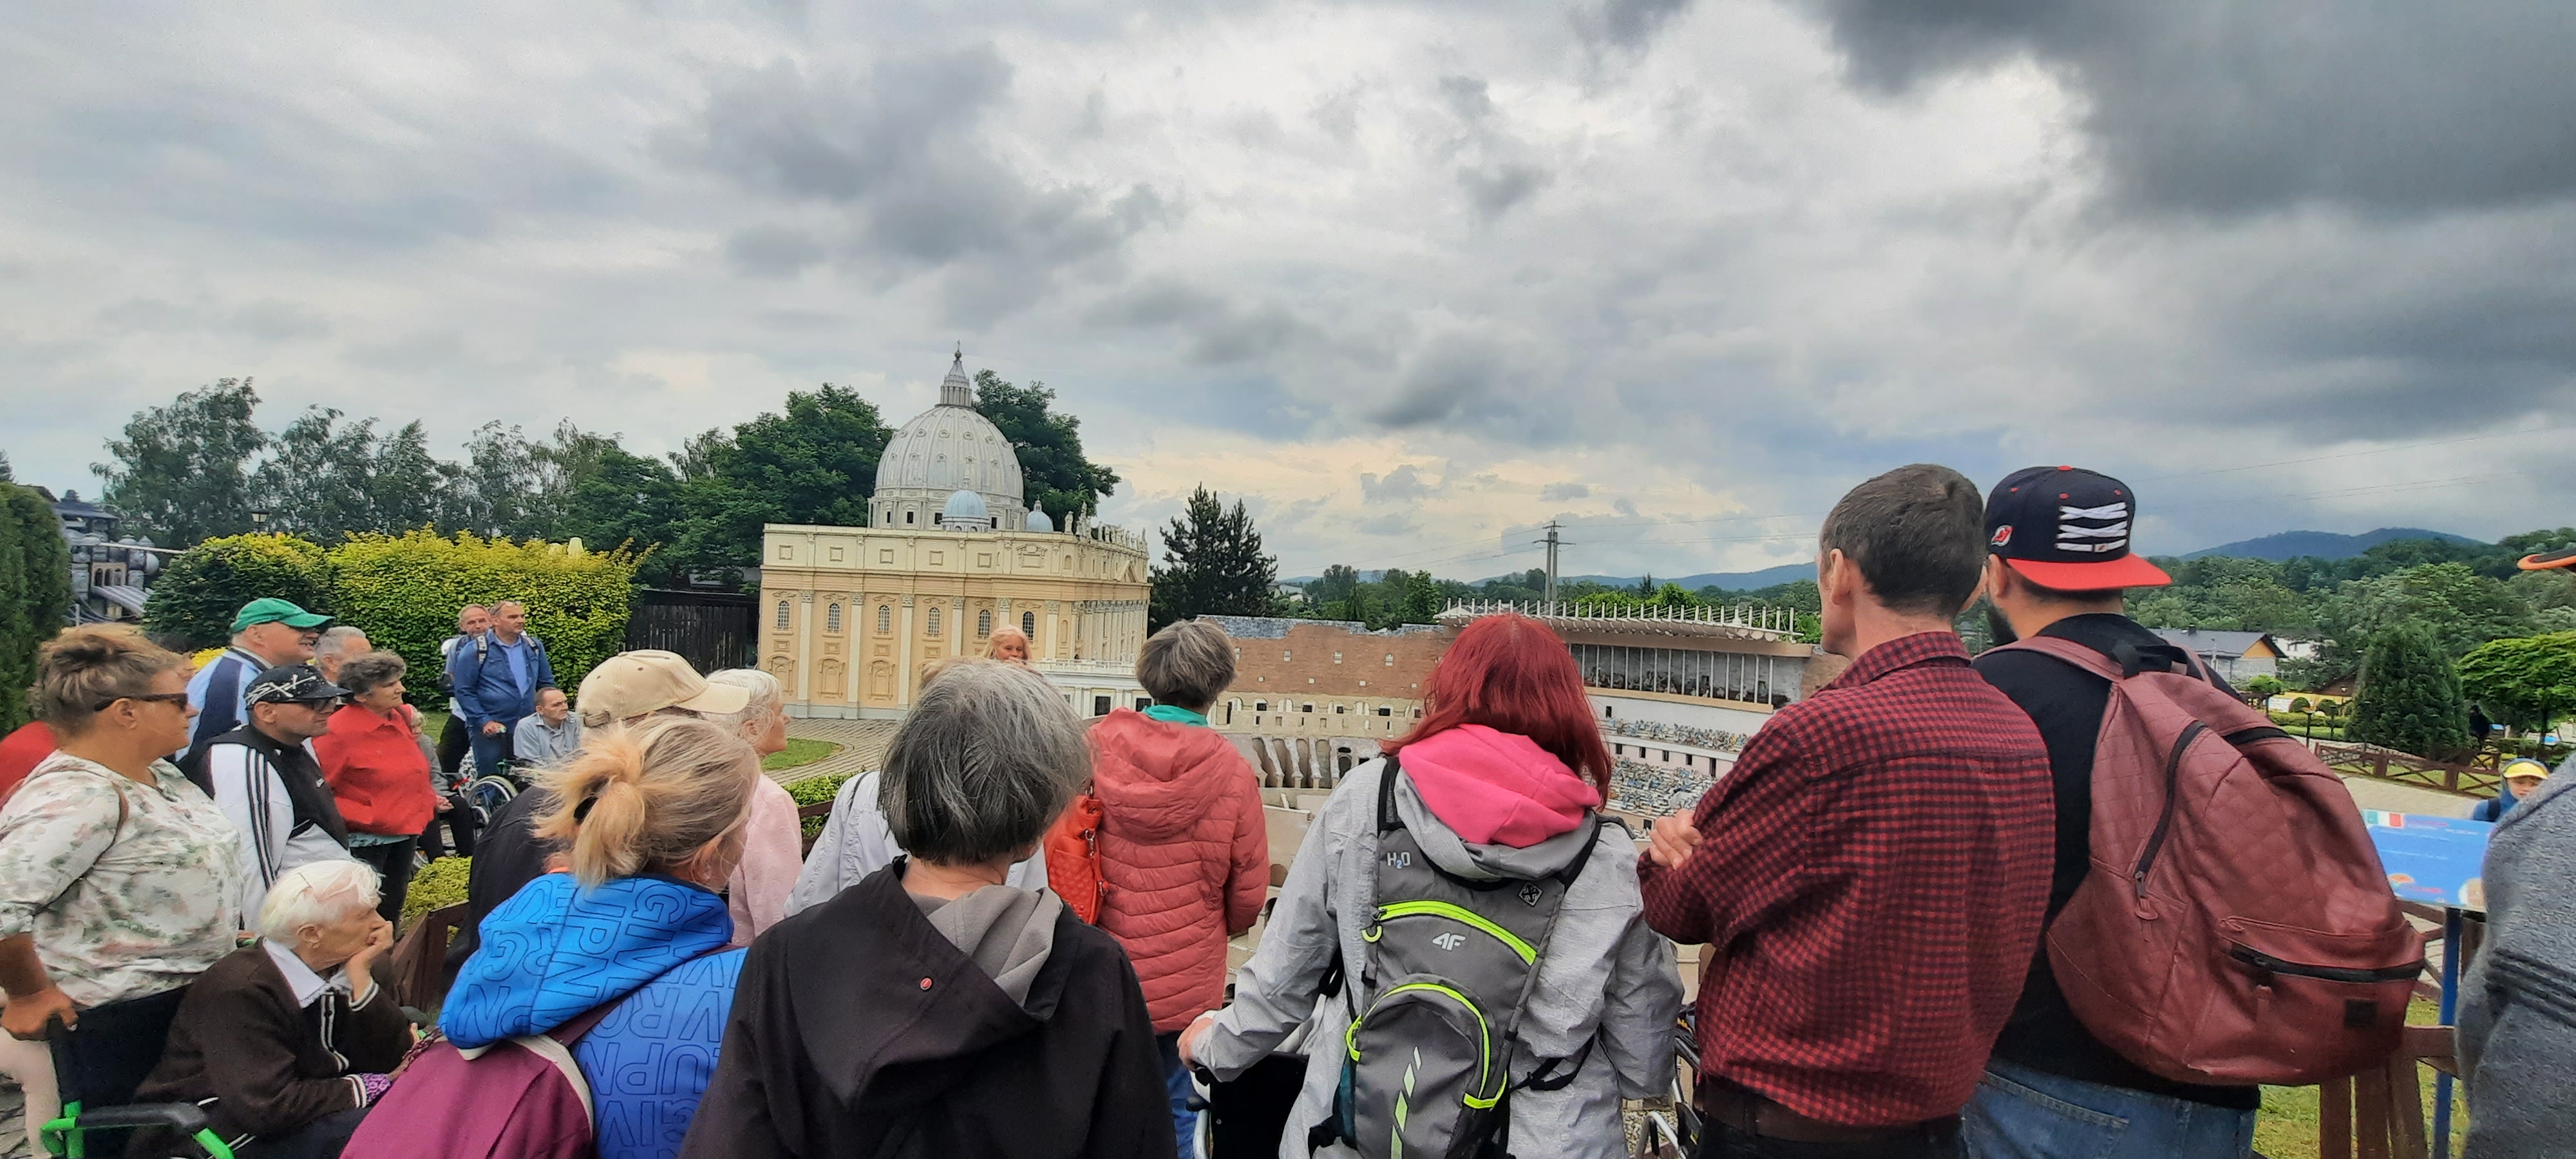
pixel 2058 564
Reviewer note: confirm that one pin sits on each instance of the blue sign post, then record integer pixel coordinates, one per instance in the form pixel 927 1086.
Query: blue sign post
pixel 2436 861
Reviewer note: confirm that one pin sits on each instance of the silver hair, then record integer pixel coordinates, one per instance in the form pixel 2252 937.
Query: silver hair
pixel 497 605
pixel 336 640
pixel 988 757
pixel 767 696
pixel 366 671
pixel 1188 664
pixel 317 893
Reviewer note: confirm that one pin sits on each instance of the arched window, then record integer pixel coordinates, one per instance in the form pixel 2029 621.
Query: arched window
pixel 885 619
pixel 933 621
pixel 832 619
pixel 1029 625
pixel 782 615
pixel 983 623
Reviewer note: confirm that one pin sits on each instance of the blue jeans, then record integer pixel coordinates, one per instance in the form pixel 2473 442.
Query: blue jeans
pixel 1176 1083
pixel 2020 1113
pixel 490 751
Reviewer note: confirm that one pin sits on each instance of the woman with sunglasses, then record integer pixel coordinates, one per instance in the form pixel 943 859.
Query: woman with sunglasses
pixel 118 878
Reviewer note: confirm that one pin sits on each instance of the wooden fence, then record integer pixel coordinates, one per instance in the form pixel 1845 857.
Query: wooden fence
pixel 2477 778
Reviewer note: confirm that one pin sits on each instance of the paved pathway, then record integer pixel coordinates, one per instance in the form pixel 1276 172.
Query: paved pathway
pixel 863 746
pixel 13 1122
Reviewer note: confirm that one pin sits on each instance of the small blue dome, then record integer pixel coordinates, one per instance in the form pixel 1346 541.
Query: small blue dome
pixel 966 507
pixel 1038 520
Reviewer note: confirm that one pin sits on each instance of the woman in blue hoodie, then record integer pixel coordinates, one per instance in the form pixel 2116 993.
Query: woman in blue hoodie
pixel 652 819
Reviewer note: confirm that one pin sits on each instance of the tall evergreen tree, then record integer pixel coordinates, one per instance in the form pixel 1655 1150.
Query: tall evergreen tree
pixel 182 472
pixel 35 590
pixel 2410 698
pixel 1216 566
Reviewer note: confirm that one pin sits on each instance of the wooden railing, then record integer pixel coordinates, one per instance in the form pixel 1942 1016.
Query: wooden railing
pixel 2477 778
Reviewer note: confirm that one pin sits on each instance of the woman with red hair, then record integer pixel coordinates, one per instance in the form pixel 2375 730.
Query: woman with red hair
pixel 1500 783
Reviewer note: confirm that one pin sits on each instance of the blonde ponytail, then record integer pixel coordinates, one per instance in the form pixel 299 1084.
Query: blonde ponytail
pixel 646 798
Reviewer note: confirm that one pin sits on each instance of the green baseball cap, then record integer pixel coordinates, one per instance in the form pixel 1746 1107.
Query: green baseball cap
pixel 276 611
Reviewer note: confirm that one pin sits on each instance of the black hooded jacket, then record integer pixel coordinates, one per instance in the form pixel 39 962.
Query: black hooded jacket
pixel 858 1029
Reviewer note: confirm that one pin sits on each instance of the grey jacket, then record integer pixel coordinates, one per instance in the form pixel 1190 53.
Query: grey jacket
pixel 1604 976
pixel 2518 1000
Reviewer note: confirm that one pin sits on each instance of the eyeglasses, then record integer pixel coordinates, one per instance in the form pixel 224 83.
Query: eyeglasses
pixel 147 697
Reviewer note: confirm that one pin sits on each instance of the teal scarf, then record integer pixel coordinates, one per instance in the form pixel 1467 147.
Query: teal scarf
pixel 1175 714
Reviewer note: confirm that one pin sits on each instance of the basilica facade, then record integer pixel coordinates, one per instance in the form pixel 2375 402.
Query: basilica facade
pixel 851 615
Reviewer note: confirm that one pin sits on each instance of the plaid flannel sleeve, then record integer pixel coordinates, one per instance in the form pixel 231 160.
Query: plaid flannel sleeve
pixel 1753 828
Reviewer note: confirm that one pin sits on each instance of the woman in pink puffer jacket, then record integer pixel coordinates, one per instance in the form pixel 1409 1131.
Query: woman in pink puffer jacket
pixel 1183 848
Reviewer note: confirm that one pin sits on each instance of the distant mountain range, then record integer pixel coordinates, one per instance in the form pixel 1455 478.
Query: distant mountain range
pixel 2321 544
pixel 2276 547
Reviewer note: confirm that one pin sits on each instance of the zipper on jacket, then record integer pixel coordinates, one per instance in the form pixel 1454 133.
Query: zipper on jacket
pixel 2164 820
pixel 2269 964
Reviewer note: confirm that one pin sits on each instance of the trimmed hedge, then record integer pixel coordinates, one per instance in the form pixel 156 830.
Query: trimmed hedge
pixel 35 592
pixel 816 791
pixel 193 603
pixel 404 590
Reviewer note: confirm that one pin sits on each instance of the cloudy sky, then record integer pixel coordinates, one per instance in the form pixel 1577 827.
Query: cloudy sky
pixel 1411 278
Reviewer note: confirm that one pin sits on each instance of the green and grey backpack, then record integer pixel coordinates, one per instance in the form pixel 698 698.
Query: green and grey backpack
pixel 1435 1010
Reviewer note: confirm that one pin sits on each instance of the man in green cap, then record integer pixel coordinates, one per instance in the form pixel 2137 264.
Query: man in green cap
pixel 266 634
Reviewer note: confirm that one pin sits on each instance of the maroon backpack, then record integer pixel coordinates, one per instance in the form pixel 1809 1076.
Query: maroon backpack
pixel 2237 927
pixel 520 1098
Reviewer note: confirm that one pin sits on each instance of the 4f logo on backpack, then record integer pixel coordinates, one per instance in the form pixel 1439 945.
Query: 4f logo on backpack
pixel 1449 941
pixel 1399 860
pixel 1530 893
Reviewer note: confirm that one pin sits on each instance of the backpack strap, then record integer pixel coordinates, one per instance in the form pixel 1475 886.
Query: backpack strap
pixel 2125 659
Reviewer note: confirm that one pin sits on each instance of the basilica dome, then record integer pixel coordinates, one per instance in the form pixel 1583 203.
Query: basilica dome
pixel 941 452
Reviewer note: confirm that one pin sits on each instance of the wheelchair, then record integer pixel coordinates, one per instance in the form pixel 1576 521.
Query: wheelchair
pixel 1675 1135
pixel 100 1062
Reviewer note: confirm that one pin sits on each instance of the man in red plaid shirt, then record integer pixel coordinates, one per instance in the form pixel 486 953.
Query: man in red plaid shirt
pixel 1869 879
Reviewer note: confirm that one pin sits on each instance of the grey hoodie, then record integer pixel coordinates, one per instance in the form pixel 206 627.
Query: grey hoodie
pixel 2518 1000
pixel 1604 977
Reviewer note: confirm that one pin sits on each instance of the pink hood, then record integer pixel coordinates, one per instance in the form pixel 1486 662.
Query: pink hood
pixel 1495 788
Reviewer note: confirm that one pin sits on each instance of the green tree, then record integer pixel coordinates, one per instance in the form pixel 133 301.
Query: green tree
pixel 1052 467
pixel 1214 565
pixel 1334 586
pixel 182 472
pixel 314 478
pixel 194 601
pixel 2522 682
pixel 2410 698
pixel 632 502
pixel 2265 687
pixel 814 463
pixel 35 590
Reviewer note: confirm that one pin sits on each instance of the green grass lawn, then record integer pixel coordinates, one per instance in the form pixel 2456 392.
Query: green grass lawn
pixel 799 752
pixel 2286 1127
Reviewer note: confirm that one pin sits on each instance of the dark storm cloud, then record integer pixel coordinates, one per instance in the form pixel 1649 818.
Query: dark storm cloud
pixel 898 147
pixel 1216 330
pixel 1401 485
pixel 2234 106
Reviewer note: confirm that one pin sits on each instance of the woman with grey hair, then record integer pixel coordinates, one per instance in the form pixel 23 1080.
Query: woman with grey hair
pixel 287 1042
pixel 1184 851
pixel 932 1009
pixel 773 839
pixel 379 767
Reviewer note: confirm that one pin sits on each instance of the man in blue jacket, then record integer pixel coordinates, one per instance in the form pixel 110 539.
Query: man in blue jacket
pixel 496 678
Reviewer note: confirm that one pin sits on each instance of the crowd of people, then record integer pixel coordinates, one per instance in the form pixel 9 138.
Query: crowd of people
pixel 1466 956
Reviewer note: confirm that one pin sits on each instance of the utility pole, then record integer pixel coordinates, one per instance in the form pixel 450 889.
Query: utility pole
pixel 1552 543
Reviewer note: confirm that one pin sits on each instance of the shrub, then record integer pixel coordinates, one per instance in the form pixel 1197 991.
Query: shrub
pixel 438 885
pixel 35 592
pixel 404 590
pixel 193 603
pixel 2410 699
pixel 815 791
pixel 2526 681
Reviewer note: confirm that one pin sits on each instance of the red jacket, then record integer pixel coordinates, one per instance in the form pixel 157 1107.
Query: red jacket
pixel 1185 853
pixel 377 772
pixel 21 752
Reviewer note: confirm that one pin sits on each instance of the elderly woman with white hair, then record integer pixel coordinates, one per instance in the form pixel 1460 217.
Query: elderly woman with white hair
pixel 287 1042
pixel 773 839
pixel 932 1009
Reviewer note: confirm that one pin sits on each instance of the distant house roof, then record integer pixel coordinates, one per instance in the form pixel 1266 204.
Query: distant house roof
pixel 2213 642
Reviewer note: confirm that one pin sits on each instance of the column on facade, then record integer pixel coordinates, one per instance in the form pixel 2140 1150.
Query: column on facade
pixel 803 690
pixel 903 658
pixel 1047 630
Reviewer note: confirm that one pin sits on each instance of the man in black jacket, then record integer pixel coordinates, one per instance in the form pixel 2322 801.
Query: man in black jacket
pixel 2058 565
pixel 268 783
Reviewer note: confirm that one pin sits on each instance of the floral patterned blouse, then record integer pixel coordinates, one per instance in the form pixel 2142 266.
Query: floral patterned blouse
pixel 118 911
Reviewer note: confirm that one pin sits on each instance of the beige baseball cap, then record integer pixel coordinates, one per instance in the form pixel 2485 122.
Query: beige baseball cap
pixel 633 684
